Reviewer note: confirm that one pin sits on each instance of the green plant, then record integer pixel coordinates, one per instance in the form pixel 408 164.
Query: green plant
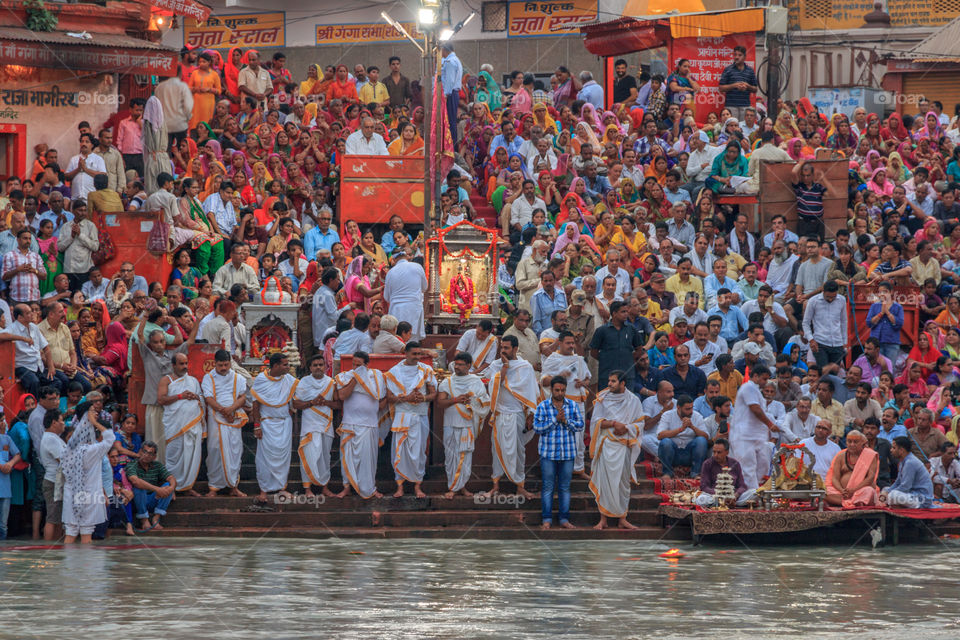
pixel 38 17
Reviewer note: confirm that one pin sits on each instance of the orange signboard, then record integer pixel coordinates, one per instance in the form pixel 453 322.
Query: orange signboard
pixel 235 30
pixel 364 32
pixel 544 18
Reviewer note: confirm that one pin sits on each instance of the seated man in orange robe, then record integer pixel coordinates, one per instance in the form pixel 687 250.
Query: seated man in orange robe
pixel 852 479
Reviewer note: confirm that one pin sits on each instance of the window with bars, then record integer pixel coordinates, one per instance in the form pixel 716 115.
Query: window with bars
pixel 818 9
pixel 494 16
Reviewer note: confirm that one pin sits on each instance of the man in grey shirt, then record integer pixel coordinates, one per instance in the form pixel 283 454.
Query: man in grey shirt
pixel 825 325
pixel 325 305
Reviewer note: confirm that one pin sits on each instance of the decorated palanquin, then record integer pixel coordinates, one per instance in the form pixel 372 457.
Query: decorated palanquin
pixel 271 328
pixel 462 274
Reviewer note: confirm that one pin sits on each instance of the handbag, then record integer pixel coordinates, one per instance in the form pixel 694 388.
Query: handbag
pixel 106 250
pixel 159 237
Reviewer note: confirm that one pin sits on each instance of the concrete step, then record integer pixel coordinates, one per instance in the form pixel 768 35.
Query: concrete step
pixel 474 533
pixel 303 504
pixel 431 485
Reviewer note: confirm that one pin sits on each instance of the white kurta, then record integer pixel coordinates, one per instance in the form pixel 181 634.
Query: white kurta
pixel 483 352
pixel 224 439
pixel 614 456
pixel 510 403
pixel 572 368
pixel 461 426
pixel 411 422
pixel 183 431
pixel 316 431
pixel 359 429
pixel 404 286
pixel 273 449
pixel 749 436
pixel 91 508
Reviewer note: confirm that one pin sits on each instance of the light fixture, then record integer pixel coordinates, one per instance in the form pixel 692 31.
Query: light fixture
pixel 448 33
pixel 427 16
pixel 160 21
pixel 399 27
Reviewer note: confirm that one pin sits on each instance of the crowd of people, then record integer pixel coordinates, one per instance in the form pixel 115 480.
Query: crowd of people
pixel 640 313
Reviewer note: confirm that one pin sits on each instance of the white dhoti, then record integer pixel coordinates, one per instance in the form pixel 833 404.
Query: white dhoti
pixel 274 447
pixel 224 438
pixel 897 498
pixel 614 456
pixel 409 449
pixel 461 426
pixel 509 442
pixel 458 445
pixel 358 458
pixel 183 432
pixel 708 500
pixel 754 459
pixel 316 431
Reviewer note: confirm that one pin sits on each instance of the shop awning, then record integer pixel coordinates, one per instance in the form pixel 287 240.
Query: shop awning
pixel 107 53
pixel 943 45
pixel 637 33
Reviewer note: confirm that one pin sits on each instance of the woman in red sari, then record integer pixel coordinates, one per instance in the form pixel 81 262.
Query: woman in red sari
pixel 923 353
pixel 231 73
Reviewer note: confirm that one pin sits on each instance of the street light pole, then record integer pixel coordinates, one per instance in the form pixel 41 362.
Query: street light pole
pixel 428 73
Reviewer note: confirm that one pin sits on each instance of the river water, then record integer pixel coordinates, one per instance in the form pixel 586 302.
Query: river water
pixel 232 588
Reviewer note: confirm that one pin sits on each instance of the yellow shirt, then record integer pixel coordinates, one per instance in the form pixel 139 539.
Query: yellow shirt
pixel 832 414
pixel 729 386
pixel 373 93
pixel 639 240
pixel 653 311
pixel 680 290
pixel 61 344
pixel 735 263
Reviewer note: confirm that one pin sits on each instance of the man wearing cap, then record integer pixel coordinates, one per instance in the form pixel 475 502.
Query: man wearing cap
pixel 700 162
pixel 657 290
pixel 825 326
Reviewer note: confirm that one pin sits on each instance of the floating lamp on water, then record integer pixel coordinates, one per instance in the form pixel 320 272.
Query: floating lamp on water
pixel 672 554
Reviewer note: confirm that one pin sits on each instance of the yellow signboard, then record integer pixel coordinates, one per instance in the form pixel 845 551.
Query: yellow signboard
pixel 238 30
pixel 812 15
pixel 364 32
pixel 542 18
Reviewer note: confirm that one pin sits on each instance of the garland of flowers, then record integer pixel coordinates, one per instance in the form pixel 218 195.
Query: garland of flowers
pixel 459 290
pixel 783 464
pixel 466 250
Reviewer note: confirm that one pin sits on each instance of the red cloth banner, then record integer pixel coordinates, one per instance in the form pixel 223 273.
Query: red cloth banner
pixel 708 58
pixel 195 10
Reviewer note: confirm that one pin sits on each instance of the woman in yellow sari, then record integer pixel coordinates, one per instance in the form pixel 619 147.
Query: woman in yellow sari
pixel 212 185
pixel 542 117
pixel 311 86
pixel 786 126
pixel 370 249
pixel 408 143
pixel 309 113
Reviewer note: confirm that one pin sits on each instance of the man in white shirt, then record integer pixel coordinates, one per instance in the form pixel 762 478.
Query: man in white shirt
pixel 253 80
pixel 520 211
pixel 612 269
pixel 33 360
pixel 481 344
pixel 83 167
pixel 177 101
pixel 365 142
pixel 703 353
pixel 354 339
pixel 52 448
pixel 683 438
pixel 700 163
pixel 404 286
pixel 752 428
pixel 236 271
pixel 801 422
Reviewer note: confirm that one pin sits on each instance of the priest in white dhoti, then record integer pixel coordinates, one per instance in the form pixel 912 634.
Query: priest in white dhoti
pixel 84 504
pixel 225 394
pixel 180 396
pixel 481 344
pixel 565 361
pixel 751 429
pixel 316 398
pixel 615 431
pixel 465 403
pixel 403 290
pixel 273 426
pixel 363 392
pixel 411 387
pixel 514 395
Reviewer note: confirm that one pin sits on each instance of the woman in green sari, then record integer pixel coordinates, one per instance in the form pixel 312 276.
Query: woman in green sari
pixel 207 242
pixel 729 164
pixel 488 92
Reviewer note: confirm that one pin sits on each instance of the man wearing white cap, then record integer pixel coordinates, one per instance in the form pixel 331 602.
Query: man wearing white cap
pixel 700 163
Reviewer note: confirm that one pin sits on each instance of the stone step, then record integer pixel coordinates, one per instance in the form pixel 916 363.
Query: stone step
pixel 473 533
pixel 431 486
pixel 301 503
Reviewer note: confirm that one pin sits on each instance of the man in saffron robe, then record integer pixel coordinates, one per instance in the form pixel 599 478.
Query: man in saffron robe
pixel 315 398
pixel 852 479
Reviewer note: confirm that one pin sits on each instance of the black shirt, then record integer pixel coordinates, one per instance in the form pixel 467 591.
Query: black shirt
pixel 622 86
pixel 616 347
pixel 694 385
pixel 730 75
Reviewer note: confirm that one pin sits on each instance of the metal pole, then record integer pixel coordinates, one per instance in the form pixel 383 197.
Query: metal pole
pixel 427 69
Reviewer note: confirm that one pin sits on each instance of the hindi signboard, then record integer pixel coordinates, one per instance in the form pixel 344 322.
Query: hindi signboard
pixel 238 30
pixel 120 60
pixel 329 34
pixel 708 58
pixel 528 19
pixel 188 8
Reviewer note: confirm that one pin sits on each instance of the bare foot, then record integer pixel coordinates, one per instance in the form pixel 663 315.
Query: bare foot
pixel 213 493
pixel 567 525
pixel 377 494
pixel 236 493
pixel 600 526
pixel 262 496
pixel 418 492
pixel 309 493
pixel 399 492
pixel 626 525
pixel 545 525
pixel 326 492
pixel 344 493
pixel 468 494
pixel 582 474
pixel 665 478
pixel 448 495
pixel 526 494
pixel 129 531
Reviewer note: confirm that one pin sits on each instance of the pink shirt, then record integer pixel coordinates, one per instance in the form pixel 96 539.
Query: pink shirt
pixel 129 138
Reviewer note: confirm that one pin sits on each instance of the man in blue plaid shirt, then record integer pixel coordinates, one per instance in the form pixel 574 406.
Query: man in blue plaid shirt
pixel 557 420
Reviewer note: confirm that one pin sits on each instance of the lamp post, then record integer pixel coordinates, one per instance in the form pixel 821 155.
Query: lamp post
pixel 427 18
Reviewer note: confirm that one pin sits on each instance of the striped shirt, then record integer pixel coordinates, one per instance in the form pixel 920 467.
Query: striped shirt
pixel 731 75
pixel 809 199
pixel 557 441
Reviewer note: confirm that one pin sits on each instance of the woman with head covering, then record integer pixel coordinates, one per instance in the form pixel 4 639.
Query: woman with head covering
pixel 311 86
pixel 931 127
pixel 542 117
pixel 894 132
pixel 785 126
pixel 488 92
pixel 83 502
pixel 156 160
pixel 584 134
pixel 231 75
pixel 896 170
pixel 727 166
pixel 408 143
pixel 589 115
pixel 872 163
pixel 879 184
pixel 924 353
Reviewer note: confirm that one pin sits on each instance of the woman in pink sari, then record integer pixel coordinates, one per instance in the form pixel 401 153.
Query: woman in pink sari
pixel 852 479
